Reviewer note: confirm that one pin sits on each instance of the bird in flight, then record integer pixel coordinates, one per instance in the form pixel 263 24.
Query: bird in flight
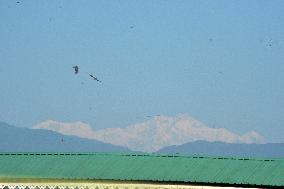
pixel 94 77
pixel 76 68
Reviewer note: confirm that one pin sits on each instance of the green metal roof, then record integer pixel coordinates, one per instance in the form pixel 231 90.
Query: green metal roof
pixel 142 167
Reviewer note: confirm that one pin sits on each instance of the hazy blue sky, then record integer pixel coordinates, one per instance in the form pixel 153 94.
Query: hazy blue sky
pixel 218 61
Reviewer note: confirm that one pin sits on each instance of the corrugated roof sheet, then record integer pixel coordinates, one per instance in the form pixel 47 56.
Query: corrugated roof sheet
pixel 142 167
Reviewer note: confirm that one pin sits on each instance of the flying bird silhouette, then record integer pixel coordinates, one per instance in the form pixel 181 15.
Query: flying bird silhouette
pixel 76 69
pixel 94 77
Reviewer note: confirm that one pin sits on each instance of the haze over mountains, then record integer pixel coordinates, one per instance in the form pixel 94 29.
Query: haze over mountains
pixel 16 139
pixel 154 134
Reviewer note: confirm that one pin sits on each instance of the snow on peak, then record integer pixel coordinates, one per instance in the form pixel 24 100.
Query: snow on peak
pixel 155 133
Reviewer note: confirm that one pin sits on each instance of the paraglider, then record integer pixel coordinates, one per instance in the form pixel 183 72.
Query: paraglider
pixel 94 77
pixel 76 69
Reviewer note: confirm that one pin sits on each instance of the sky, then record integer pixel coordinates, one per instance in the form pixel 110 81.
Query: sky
pixel 220 62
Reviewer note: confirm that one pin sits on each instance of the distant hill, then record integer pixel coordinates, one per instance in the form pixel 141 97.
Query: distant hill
pixel 16 139
pixel 270 150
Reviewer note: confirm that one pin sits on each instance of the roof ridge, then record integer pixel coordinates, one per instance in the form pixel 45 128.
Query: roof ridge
pixel 138 154
pixel 170 168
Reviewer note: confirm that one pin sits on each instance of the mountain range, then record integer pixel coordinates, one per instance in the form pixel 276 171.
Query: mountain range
pixel 17 139
pixel 154 134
